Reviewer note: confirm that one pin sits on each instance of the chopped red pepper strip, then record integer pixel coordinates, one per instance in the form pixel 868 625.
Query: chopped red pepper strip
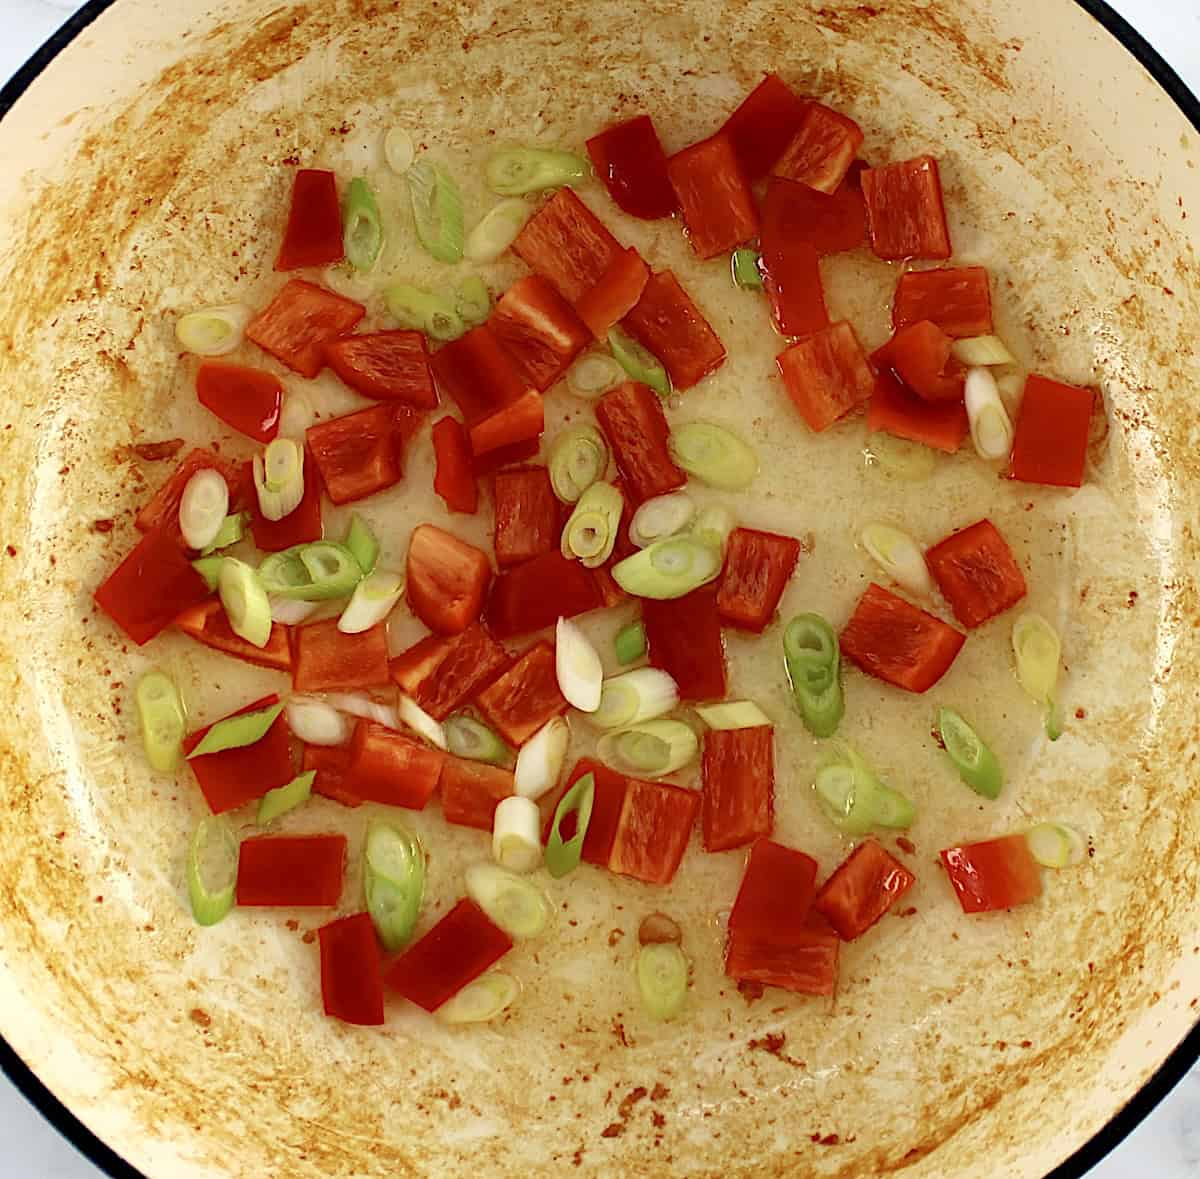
pixel 387 366
pixel 478 374
pixel 684 640
pixel 758 566
pixel 791 267
pixel 390 768
pixel 826 375
pixel 615 295
pixel 894 410
pixel 795 213
pixel 738 773
pixel 302 525
pixel 248 399
pixel 668 324
pixel 162 511
pixel 802 959
pixel 535 595
pixel 867 884
pixel 635 425
pixel 920 356
pixel 326 660
pixel 525 697
pixel 993 875
pixel 522 421
pixel 763 125
pixel 292 871
pixel 977 573
pixel 297 324
pixel 358 453
pixel 539 330
pixel 506 456
pixel 822 150
pixel 653 830
pixel 716 202
pixel 957 300
pixel 207 623
pixel 905 213
pixel 441 674
pixel 776 892
pixel 454 477
pixel 527 515
pixel 471 791
pixel 565 242
pixel 1052 431
pixel 631 164
pixel 331 764
pixel 313 236
pixel 351 971
pixel 447 580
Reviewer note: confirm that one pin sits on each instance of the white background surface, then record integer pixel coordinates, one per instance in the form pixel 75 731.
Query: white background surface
pixel 1166 1146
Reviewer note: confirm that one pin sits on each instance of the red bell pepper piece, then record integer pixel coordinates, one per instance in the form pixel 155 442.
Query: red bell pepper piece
pixel 207 623
pixel 441 674
pixel 763 125
pixel 358 453
pixel 635 425
pixel 716 202
pixel 447 580
pixel 684 640
pixel 331 766
pixel 920 356
pixel 610 593
pixel 351 971
pixel 313 236
pixel 893 409
pixel 738 800
pixel 507 456
pixel 977 573
pixel 653 830
pixel 390 768
pixel 298 323
pixel 996 874
pixel 535 595
pixel 454 478
pixel 471 791
pixel 522 421
pixel 791 266
pixel 865 887
pixel 826 375
pixel 957 300
pixel 326 660
pixel 162 511
pixel 776 892
pixel 795 214
pixel 667 323
pixel 539 330
pixel 148 590
pixel 291 871
pixel 388 366
pixel 478 374
pixel 456 951
pixel 608 801
pixel 758 566
pixel 525 697
pixel 527 515
pixel 891 639
pixel 248 399
pixel 615 295
pixel 631 164
pixel 804 960
pixel 301 525
pixel 233 777
pixel 1052 431
pixel 822 150
pixel 565 242
pixel 905 213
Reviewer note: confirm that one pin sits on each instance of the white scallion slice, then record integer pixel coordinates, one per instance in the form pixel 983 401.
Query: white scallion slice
pixel 988 351
pixel 1011 387
pixel 497 231
pixel 591 532
pixel 399 151
pixel 593 374
pixel 733 714
pixel 897 456
pixel 577 664
pixel 714 455
pixel 713 526
pixel 1055 845
pixel 246 604
pixel 633 697
pixel 897 554
pixel 540 760
pixel 413 716
pixel 469 738
pixel 296 415
pixel 669 568
pixel 662 974
pixel 578 460
pixel 276 803
pixel 517 170
pixel 316 722
pixel 515 904
pixel 650 749
pixel 361 705
pixel 517 834
pixel 393 881
pixel 291 611
pixel 482 999
pixel 212 870
pixel 473 300
pixel 373 600
pixel 279 478
pixel 162 720
pixel 421 311
pixel 1038 650
pixel 661 517
pixel 437 211
pixel 991 430
pixel 212 331
pixel 203 507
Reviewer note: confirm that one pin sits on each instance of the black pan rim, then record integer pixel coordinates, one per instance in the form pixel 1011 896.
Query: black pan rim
pixel 1176 1066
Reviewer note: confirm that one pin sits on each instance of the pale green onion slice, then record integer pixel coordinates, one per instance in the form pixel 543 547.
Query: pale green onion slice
pixel 414 308
pixel 893 809
pixel 1055 845
pixel 210 569
pixel 562 854
pixel 593 374
pixel 374 598
pixel 437 211
pixel 399 151
pixel 295 417
pixel 412 715
pixel 515 171
pixel 213 331
pixel 713 455
pixel 591 532
pixel 1038 649
pixel 467 737
pixel 245 600
pixel 517 834
pixel 650 749
pixel 662 974
pixel 578 460
pixel 630 644
pixel 276 803
pixel 991 430
pixel 279 478
pixel 669 568
pixel 362 543
pixel 162 720
pixel 515 904
pixel 986 351
pixel 577 665
pixel 540 760
pixel 855 800
pixel 633 697
pixel 473 301
pixel 362 227
pixel 290 611
pixel 975 762
pixel 639 363
pixel 482 999
pixel 316 572
pixel 203 507
pixel 899 457
pixel 713 526
pixel 212 870
pixel 236 732
pixel 733 714
pixel 745 268
pixel 661 517
pixel 232 529
pixel 393 881
pixel 897 554
pixel 317 722
pixel 361 705
pixel 497 231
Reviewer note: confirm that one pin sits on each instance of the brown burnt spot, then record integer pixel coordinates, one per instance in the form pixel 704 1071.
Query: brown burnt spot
pixel 625 1108
pixel 750 990
pixel 618 1030
pixel 660 1092
pixel 825 1139
pixel 157 452
pixel 773 1044
pixel 906 845
pixel 200 1018
pixel 613 1130
pixel 1131 601
pixel 614 936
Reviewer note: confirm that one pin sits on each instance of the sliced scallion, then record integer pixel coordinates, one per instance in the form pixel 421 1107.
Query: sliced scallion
pixel 662 974
pixel 563 854
pixel 813 660
pixel 988 351
pixel 437 211
pixel 1038 649
pixel 515 904
pixel 515 171
pixel 414 308
pixel 361 705
pixel 279 477
pixel 316 572
pixel 650 749
pixel 855 800
pixel 633 697
pixel 745 269
pixel 713 526
pixel 473 301
pixel 162 720
pixel 577 665
pixel 975 762
pixel 362 543
pixel 236 732
pixel 578 460
pixel 669 568
pixel 362 227
pixel 661 517
pixel 399 151
pixel 591 532
pixel 733 714
pixel 213 331
pixel 517 834
pixel 416 718
pixel 1055 845
pixel 210 569
pixel 713 455
pixel 232 529
pixel 482 999
pixel 630 644
pixel 295 417
pixel 497 231
pixel 897 456
pixel 212 870
pixel 203 507
pixel 639 363
pixel 991 429
pixel 393 881
pixel 287 797
pixel 593 374
pixel 540 760
pixel 897 554
pixel 245 601
pixel 290 611
pixel 374 598
pixel 317 722
pixel 467 737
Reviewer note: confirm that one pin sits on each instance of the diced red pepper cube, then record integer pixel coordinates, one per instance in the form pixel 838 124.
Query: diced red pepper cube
pixel 162 511
pixel 738 772
pixel 447 579
pixel 297 324
pixel 977 573
pixel 610 593
pixel 865 887
pixel 248 399
pixel 905 213
pixel 635 425
pixel 527 515
pixel 522 421
pixel 608 800
pixel 454 476
pixel 388 366
pixel 993 875
pixel 478 374
pixel 292 871
pixel 456 951
pixel 653 830
pixel 326 660
pixel 803 960
pixel 921 357
pixel 667 323
pixel 684 640
pixel 763 125
pixel 894 410
pixel 351 971
pixel 441 674
pixel 893 640
pixel 631 164
pixel 506 456
pixel 471 791
pixel 390 768
pixel 776 892
pixel 716 202
pixel 331 767
pixel 758 566
pixel 615 295
pixel 207 623
pixel 565 242
pixel 525 697
pixel 313 236
pixel 535 595
pixel 539 330
pixel 791 266
pixel 957 300
pixel 358 453
pixel 302 525
pixel 822 150
pixel 794 214
pixel 1051 439
pixel 826 375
